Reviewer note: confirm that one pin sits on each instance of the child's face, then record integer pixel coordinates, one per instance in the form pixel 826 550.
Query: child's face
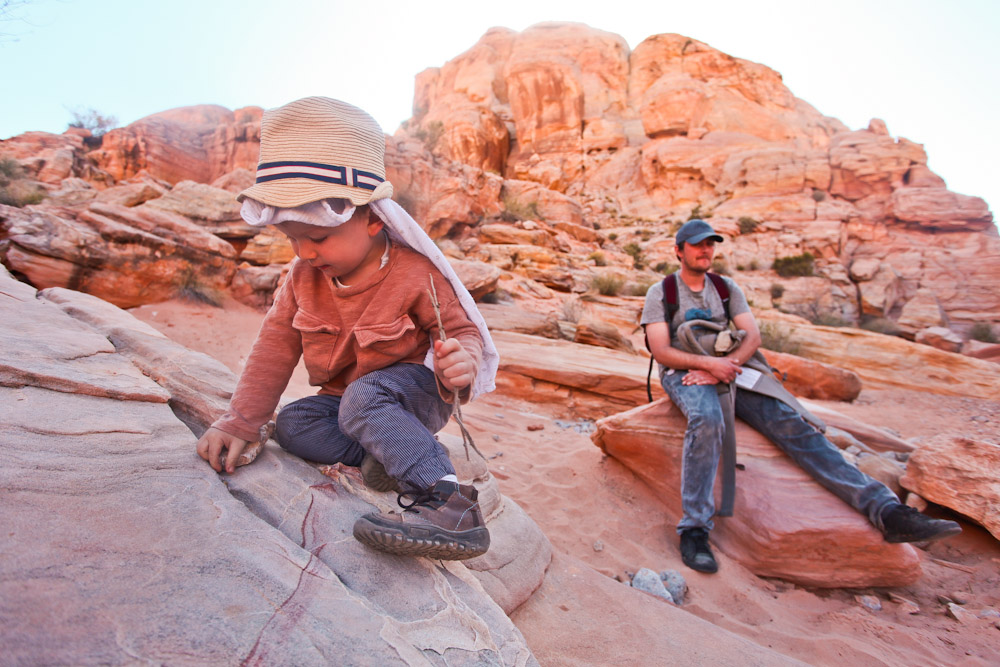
pixel 350 251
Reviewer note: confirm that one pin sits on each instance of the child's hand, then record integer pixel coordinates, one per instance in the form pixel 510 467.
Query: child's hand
pixel 211 444
pixel 453 365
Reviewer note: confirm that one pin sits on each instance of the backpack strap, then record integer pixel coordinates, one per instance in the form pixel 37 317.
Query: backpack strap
pixel 721 287
pixel 669 308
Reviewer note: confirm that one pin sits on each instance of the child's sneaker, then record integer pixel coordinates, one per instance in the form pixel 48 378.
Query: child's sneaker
pixel 375 476
pixel 443 522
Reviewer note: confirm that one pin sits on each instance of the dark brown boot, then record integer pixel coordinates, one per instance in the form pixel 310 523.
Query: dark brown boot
pixel 443 522
pixel 375 476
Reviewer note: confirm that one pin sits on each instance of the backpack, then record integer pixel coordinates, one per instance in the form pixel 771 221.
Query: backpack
pixel 670 307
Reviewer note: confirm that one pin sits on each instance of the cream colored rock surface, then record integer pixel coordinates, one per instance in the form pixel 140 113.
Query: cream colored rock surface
pixel 153 528
pixel 785 525
pixel 959 473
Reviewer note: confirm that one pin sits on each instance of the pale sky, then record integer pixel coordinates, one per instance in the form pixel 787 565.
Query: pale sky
pixel 929 69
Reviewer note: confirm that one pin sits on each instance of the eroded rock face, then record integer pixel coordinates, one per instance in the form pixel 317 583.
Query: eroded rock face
pixel 888 361
pixel 959 473
pixel 199 143
pixel 785 524
pixel 128 256
pixel 271 543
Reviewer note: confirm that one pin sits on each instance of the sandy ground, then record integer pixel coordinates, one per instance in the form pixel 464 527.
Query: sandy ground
pixel 601 519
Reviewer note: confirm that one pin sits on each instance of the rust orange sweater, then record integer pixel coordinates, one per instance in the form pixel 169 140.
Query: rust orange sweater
pixel 344 333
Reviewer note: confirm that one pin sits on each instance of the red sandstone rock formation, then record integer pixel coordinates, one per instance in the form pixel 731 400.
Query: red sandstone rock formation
pixel 199 143
pixel 563 126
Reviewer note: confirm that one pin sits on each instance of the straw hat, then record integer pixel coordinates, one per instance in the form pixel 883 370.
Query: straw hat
pixel 319 148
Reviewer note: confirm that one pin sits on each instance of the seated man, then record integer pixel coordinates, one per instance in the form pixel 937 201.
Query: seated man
pixel 691 380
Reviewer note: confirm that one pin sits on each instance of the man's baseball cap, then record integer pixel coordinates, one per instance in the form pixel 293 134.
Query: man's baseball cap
pixel 696 231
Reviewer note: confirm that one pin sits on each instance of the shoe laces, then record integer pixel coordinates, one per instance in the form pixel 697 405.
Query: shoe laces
pixel 420 498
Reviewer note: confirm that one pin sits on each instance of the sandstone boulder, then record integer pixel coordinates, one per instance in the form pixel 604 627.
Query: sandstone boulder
pixel 588 381
pixel 255 285
pixel 217 210
pixel 511 318
pixel 814 379
pixel 959 473
pixel 785 524
pixel 128 256
pixel 479 278
pixel 942 338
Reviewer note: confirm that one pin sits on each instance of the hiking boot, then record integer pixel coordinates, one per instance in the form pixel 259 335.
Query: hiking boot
pixel 443 522
pixel 902 523
pixel 375 476
pixel 695 551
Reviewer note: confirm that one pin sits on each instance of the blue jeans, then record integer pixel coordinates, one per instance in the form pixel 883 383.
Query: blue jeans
pixel 392 413
pixel 780 424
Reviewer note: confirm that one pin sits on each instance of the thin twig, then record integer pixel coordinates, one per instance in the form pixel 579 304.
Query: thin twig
pixel 456 408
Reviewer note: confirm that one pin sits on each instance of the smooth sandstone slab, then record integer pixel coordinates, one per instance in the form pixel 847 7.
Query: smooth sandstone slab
pixel 122 545
pixel 959 473
pixel 42 346
pixel 785 525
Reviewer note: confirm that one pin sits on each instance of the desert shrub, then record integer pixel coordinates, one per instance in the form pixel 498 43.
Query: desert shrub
pixel 818 195
pixel 754 265
pixel 646 234
pixel 190 287
pixel 15 189
pixel 634 250
pixel 638 289
pixel 666 268
pixel 777 338
pixel 598 257
pixel 881 325
pixel 696 214
pixel 430 134
pixel 829 320
pixel 93 120
pixel 983 332
pixel 719 266
pixel 777 291
pixel 796 265
pixel 612 236
pixel 517 210
pixel 607 284
pixel 748 225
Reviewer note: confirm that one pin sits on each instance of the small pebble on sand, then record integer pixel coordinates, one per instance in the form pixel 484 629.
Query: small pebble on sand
pixel 536 427
pixel 869 602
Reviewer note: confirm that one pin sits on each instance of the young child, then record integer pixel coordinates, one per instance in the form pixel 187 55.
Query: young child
pixel 356 305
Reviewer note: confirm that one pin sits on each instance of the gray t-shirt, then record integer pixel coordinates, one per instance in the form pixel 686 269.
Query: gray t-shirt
pixel 689 303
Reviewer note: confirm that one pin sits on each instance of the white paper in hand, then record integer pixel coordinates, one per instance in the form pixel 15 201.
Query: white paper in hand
pixel 748 378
